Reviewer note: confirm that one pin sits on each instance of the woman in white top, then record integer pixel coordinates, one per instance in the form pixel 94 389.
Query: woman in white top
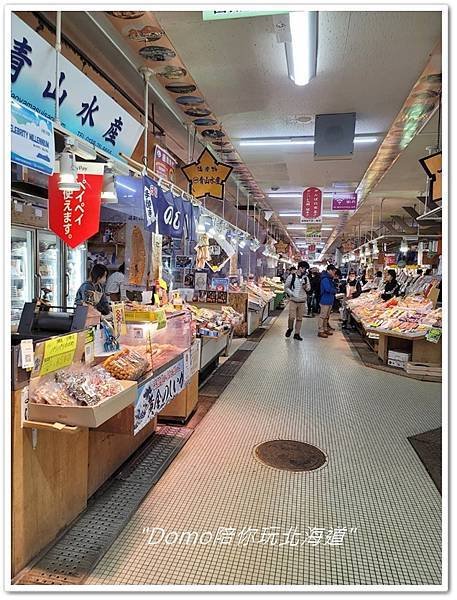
pixel 113 285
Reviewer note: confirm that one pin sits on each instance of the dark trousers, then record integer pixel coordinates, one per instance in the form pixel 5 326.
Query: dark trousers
pixel 313 304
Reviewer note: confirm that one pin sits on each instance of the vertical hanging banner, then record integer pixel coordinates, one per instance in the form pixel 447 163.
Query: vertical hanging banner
pixel 170 218
pixel 74 215
pixel 32 139
pixel 156 270
pixel 311 211
pixel 344 201
pixel 164 164
pixel 151 192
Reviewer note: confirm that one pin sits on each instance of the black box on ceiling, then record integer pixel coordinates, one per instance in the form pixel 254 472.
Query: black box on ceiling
pixel 334 136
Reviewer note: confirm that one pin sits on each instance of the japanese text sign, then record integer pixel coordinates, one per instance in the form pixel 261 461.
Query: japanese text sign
pixel 58 353
pixel 164 164
pixel 311 211
pixel 32 139
pixel 344 201
pixel 74 215
pixel 207 176
pixel 85 109
pixel 154 395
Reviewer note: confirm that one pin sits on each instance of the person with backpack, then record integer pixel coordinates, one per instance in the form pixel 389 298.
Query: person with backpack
pixel 297 287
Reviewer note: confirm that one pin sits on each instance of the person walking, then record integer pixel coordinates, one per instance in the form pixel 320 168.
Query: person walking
pixel 297 287
pixel 328 291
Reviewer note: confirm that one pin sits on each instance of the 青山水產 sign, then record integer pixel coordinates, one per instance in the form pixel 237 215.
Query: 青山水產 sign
pixel 32 139
pixel 85 109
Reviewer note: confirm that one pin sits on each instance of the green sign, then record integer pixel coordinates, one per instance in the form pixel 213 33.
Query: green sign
pixel 217 15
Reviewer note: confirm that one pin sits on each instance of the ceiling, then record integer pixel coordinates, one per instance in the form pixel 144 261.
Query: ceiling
pixel 367 63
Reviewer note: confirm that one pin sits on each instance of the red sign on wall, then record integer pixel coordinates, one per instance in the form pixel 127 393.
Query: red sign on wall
pixel 312 248
pixel 164 164
pixel 311 210
pixel 75 215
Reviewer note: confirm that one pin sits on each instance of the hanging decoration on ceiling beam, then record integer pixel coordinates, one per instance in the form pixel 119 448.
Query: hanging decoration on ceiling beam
pixel 432 165
pixel 207 176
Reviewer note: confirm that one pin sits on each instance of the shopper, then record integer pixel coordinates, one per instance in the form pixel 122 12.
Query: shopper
pixel 297 287
pixel 92 290
pixel 391 287
pixel 353 290
pixel 328 291
pixel 315 280
pixel 113 285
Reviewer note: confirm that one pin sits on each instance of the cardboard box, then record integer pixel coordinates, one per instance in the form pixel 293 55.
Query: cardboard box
pixel 85 416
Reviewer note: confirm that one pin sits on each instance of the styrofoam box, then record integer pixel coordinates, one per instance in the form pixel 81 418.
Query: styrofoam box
pixel 400 356
pixel 396 363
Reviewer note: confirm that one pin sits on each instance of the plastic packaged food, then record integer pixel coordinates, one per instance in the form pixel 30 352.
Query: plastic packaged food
pixel 127 364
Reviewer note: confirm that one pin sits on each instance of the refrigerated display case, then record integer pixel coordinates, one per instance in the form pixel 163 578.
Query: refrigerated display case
pixel 22 271
pixel 75 271
pixel 49 268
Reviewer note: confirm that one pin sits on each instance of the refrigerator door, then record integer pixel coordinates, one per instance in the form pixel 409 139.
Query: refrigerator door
pixel 49 267
pixel 21 271
pixel 75 272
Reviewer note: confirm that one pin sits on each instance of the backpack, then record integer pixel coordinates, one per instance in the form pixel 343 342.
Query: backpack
pixel 307 284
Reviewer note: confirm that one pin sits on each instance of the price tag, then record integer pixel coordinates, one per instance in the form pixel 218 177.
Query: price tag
pixel 89 353
pixel 58 353
pixel 26 358
pixel 161 319
pixel 156 299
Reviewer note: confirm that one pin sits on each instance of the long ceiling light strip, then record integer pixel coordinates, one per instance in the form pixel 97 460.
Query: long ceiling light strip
pixel 358 139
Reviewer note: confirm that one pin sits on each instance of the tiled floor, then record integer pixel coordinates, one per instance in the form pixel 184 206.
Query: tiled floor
pixel 318 392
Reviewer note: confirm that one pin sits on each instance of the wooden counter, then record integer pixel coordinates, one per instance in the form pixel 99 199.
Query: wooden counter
pixel 421 350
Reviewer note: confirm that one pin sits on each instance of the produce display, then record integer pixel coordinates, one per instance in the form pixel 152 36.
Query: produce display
pixel 411 315
pixel 76 386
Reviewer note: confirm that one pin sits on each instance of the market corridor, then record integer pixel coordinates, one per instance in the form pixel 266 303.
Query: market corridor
pixel 374 484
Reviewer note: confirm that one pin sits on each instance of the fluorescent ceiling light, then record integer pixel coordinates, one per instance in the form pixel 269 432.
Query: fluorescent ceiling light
pixel 330 216
pixel 296 227
pixel 326 228
pixel 358 139
pixel 278 142
pixel 301 52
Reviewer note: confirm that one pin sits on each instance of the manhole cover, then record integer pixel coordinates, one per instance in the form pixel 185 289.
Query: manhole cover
pixel 290 455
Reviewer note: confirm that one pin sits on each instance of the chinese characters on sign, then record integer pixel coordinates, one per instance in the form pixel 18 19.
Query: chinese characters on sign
pixel 74 215
pixel 164 164
pixel 313 234
pixel 207 176
pixel 265 536
pixel 344 202
pixel 85 109
pixel 311 211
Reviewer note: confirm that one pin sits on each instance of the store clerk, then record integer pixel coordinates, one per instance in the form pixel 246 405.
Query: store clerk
pixel 92 291
pixel 391 287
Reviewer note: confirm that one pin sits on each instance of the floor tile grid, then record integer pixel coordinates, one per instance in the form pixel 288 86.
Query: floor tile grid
pixel 239 473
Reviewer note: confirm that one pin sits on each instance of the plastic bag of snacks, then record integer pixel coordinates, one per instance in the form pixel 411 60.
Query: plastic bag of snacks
pixel 77 386
pixel 127 364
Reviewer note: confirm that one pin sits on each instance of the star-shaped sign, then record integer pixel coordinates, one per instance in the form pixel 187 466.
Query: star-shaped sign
pixel 207 176
pixel 432 166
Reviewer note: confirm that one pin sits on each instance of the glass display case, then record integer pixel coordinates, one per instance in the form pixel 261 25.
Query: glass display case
pixel 49 267
pixel 75 272
pixel 161 346
pixel 21 271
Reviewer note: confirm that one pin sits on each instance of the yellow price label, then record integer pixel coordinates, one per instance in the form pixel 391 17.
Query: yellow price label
pixel 161 319
pixel 58 353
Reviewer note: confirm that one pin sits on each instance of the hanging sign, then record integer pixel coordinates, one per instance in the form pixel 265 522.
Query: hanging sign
pixel 85 109
pixel 170 215
pixel 150 200
pixel 154 395
pixel 207 176
pixel 282 247
pixel 164 164
pixel 312 248
pixel 311 211
pixel 344 201
pixel 32 139
pixel 120 326
pixel 313 234
pixel 432 165
pixel 156 256
pixel 74 215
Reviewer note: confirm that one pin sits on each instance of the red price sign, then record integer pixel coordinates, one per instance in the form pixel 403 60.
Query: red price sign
pixel 74 215
pixel 311 211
